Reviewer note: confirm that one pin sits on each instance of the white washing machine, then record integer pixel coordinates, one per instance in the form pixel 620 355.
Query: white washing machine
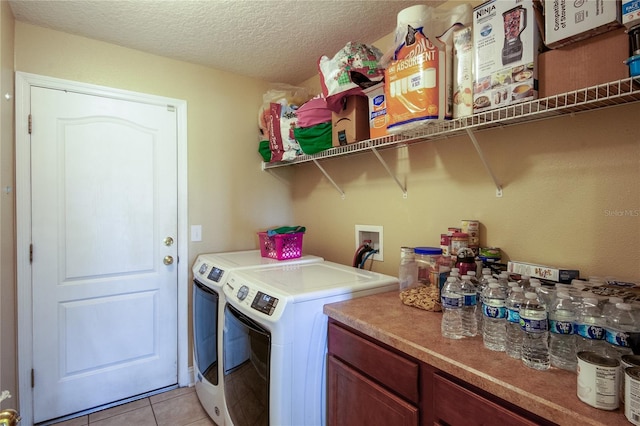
pixel 210 271
pixel 275 339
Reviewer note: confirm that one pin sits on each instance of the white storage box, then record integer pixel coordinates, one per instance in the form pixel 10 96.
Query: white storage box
pixel 568 21
pixel 631 13
pixel 507 41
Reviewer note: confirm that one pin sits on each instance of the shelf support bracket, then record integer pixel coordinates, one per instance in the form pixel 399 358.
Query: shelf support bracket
pixel 324 172
pixel 485 163
pixel 386 167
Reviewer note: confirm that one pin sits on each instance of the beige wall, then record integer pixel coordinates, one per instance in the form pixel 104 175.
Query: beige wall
pixel 8 373
pixel 571 193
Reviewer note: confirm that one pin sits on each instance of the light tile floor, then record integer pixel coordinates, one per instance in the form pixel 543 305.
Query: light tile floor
pixel 178 407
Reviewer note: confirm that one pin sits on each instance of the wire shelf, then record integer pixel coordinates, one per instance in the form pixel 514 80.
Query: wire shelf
pixel 596 97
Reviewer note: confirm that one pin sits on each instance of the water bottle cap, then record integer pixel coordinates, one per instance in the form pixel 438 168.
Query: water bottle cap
pixel 451 279
pixel 513 284
pixel 535 284
pixel 493 280
pixel 530 295
pixel 494 285
pixel 614 299
pixel 525 277
pixel 471 273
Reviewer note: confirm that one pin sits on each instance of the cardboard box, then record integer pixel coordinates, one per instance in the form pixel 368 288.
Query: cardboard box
pixel 377 111
pixel 507 41
pixel 583 64
pixel 463 72
pixel 351 124
pixel 566 22
pixel 550 273
pixel 631 13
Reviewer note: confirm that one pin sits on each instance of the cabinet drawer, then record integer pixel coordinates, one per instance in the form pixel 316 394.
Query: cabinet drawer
pixel 450 397
pixel 353 400
pixel 397 373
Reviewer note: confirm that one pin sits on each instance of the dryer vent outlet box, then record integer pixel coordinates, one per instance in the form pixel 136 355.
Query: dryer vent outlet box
pixel 371 233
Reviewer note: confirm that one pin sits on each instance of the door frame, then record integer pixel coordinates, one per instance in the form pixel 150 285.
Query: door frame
pixel 24 82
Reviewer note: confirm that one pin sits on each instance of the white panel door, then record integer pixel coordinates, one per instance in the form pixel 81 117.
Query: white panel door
pixel 104 208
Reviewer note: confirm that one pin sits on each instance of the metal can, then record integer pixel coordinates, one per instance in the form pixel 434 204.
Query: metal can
pixel 632 394
pixel 459 240
pixel 626 361
pixel 471 227
pixel 598 380
pixel 445 244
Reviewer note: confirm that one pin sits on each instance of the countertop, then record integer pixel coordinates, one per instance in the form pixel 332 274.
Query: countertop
pixel 550 394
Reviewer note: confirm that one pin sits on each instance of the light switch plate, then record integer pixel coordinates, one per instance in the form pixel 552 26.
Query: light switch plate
pixel 196 233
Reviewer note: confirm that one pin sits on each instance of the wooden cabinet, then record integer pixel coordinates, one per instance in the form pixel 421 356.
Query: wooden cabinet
pixel 370 383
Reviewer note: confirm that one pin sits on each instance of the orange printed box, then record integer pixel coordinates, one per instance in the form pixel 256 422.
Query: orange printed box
pixel 377 111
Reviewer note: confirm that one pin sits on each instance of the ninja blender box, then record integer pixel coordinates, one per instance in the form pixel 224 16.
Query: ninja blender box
pixel 507 41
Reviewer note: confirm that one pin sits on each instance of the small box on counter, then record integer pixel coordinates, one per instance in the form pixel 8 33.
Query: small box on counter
pixel 631 13
pixel 377 110
pixel 351 124
pixel 566 22
pixel 586 63
pixel 507 42
pixel 549 273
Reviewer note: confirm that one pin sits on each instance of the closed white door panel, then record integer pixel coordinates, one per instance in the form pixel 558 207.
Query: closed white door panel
pixel 104 198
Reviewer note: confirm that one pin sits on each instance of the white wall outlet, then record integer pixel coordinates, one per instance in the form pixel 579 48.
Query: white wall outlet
pixel 196 233
pixel 373 233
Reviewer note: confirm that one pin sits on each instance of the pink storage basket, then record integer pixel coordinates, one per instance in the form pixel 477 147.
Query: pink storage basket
pixel 281 246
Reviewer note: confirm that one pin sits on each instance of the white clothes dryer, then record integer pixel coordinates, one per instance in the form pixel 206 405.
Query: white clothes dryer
pixel 275 339
pixel 210 271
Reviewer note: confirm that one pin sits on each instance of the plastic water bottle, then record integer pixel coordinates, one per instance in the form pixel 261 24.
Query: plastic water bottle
pixel 620 325
pixel 533 321
pixel 452 302
pixel 494 321
pixel 524 282
pixel 503 279
pixel 483 282
pixel 469 322
pixel 610 306
pixel 589 327
pixel 514 333
pixel 408 271
pixel 562 344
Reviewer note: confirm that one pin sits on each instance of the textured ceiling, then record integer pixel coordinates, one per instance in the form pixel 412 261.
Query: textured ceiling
pixel 277 41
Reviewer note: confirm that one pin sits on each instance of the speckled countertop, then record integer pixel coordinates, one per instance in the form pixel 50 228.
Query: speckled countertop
pixel 550 394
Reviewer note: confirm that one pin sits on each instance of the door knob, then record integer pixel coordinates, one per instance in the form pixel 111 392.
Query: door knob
pixel 168 260
pixel 168 241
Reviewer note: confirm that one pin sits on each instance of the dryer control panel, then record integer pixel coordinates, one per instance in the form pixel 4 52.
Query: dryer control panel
pixel 264 303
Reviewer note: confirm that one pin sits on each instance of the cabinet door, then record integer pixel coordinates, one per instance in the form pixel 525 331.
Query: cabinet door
pixel 354 400
pixel 370 358
pixel 450 397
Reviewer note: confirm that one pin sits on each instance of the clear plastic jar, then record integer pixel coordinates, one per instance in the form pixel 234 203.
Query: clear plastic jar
pixel 428 260
pixel 408 271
